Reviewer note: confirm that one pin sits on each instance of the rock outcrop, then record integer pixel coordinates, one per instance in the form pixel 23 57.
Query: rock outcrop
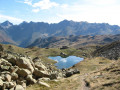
pixel 110 51
pixel 70 72
pixel 18 71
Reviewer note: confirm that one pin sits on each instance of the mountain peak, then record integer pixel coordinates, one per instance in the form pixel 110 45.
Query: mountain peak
pixel 64 21
pixel 6 24
pixel 24 22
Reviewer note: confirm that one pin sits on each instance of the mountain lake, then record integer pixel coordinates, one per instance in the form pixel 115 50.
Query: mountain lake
pixel 65 62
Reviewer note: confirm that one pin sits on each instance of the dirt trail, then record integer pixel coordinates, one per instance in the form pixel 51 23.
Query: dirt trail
pixel 82 86
pixel 76 82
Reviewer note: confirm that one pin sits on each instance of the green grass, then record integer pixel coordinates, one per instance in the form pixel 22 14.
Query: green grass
pixel 89 65
pixel 52 84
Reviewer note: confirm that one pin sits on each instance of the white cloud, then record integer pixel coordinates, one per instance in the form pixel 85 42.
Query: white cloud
pixel 11 19
pixel 101 2
pixel 64 5
pixel 81 10
pixel 29 2
pixel 36 10
pixel 108 13
pixel 45 4
pixel 42 4
pixel 63 60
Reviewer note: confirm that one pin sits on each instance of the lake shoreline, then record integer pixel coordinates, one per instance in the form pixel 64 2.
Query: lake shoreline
pixel 65 62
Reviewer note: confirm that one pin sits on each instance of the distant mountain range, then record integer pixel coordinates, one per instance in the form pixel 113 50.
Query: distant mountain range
pixel 26 33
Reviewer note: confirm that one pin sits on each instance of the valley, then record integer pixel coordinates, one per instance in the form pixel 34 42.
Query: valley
pixel 95 72
pixel 25 48
pixel 59 45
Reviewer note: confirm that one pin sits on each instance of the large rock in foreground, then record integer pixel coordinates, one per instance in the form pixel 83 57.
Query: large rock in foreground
pixel 43 84
pixel 19 87
pixel 23 72
pixel 25 63
pixel 39 74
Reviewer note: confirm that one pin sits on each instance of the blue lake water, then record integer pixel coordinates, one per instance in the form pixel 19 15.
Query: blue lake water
pixel 65 62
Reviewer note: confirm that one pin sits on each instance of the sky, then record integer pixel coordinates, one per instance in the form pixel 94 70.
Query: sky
pixel 54 11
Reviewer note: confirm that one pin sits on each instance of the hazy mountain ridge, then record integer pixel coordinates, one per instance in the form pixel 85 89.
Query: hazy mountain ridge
pixel 74 41
pixel 4 38
pixel 26 33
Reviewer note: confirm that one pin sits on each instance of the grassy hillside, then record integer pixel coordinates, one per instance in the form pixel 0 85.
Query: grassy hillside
pixel 96 73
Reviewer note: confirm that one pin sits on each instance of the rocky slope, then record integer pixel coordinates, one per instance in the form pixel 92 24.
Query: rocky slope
pixel 107 78
pixel 74 41
pixel 19 70
pixel 111 51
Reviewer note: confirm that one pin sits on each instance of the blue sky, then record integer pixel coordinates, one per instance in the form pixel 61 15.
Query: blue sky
pixel 53 11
